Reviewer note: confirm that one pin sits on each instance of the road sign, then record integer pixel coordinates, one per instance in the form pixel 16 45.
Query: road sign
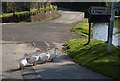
pixel 99 14
pixel 117 5
pixel 99 11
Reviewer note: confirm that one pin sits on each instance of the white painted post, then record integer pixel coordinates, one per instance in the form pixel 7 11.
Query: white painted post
pixel 111 28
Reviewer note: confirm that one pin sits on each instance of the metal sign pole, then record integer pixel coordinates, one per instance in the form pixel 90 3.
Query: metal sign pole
pixel 108 32
pixel 111 28
pixel 89 35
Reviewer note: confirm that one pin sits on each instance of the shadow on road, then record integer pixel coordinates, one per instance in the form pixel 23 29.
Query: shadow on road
pixel 12 70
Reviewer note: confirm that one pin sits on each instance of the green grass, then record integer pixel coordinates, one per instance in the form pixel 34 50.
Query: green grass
pixel 95 56
pixel 6 15
pixel 21 13
pixel 33 11
pixel 41 9
pixel 46 9
pixel 81 28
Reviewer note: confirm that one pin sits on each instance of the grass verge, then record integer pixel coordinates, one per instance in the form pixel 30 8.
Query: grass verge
pixel 81 28
pixel 95 56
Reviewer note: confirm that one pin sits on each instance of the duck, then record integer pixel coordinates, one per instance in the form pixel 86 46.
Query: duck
pixel 33 58
pixel 53 53
pixel 22 63
pixel 44 57
pixel 26 56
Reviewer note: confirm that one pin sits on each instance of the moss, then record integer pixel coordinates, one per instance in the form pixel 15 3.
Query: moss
pixel 95 56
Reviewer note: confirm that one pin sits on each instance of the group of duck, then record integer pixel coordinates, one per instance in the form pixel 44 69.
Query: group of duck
pixel 33 58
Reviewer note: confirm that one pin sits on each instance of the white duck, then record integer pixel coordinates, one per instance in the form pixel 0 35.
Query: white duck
pixel 32 59
pixel 44 57
pixel 22 63
pixel 53 54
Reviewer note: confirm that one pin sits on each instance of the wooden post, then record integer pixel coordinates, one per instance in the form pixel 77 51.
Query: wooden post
pixel 111 28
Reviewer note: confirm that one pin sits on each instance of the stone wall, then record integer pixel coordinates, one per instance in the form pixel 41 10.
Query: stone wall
pixel 41 16
pixel 44 16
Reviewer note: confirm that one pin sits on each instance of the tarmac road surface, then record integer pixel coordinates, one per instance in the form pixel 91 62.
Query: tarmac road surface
pixel 20 38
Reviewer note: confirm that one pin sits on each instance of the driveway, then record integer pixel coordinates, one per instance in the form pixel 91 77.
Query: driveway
pixel 21 38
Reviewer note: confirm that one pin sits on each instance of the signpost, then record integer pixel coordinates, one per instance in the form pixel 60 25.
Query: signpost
pixel 99 11
pixel 104 14
pixel 111 28
pixel 115 6
pixel 98 14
